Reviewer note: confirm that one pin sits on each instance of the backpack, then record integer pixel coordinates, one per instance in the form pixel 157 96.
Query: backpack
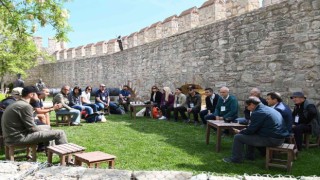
pixel 95 117
pixel 156 112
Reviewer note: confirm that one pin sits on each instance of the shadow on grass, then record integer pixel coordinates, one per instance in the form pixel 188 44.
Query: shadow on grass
pixel 191 140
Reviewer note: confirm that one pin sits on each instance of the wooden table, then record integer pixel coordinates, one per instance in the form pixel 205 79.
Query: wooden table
pixel 64 151
pixel 94 159
pixel 133 109
pixel 220 125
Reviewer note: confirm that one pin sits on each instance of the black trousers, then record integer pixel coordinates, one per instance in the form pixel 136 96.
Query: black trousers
pixel 298 131
pixel 180 110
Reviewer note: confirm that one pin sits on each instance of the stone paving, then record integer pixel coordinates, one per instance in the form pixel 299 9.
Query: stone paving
pixel 40 171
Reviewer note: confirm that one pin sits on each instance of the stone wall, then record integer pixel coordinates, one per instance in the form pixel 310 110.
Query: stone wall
pixel 275 48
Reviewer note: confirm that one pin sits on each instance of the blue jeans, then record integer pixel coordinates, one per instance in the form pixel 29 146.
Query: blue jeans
pixel 209 117
pixel 88 109
pixel 101 106
pixel 203 113
pixel 252 141
pixel 241 120
pixel 75 114
pixel 93 106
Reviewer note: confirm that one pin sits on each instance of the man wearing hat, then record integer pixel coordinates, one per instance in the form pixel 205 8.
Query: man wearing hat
pixel 15 95
pixel 306 118
pixel 18 124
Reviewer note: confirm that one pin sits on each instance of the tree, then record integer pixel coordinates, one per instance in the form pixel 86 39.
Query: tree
pixel 19 19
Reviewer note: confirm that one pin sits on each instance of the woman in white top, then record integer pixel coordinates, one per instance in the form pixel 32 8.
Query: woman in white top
pixel 85 98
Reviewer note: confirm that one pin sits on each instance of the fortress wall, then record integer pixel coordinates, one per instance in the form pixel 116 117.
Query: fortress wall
pixel 275 48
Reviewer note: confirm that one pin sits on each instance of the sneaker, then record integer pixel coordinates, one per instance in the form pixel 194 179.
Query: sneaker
pixel 187 120
pixel 75 124
pixel 162 118
pixel 230 160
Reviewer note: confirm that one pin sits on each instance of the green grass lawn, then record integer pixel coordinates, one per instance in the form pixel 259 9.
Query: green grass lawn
pixel 148 144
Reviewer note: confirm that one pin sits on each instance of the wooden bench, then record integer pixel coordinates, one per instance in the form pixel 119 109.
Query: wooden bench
pixel 11 149
pixel 307 143
pixel 64 151
pixel 94 159
pixel 281 163
pixel 63 119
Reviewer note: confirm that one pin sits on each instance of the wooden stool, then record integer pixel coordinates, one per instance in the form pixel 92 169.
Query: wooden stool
pixel 10 150
pixel 64 151
pixel 307 137
pixel 63 119
pixel 95 158
pixel 282 163
pixel 292 140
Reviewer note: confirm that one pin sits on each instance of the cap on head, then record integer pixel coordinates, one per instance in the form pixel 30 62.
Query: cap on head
pixel 103 85
pixel 297 94
pixel 29 89
pixel 17 91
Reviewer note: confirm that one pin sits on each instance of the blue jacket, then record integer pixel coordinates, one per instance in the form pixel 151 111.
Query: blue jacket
pixel 231 108
pixel 286 113
pixel 266 122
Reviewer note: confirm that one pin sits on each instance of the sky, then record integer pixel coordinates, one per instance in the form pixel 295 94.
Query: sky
pixel 97 20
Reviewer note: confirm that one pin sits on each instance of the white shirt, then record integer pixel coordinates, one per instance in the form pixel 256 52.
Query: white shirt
pixel 85 96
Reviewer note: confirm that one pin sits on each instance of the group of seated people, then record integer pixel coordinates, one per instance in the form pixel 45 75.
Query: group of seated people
pixel 25 119
pixel 269 120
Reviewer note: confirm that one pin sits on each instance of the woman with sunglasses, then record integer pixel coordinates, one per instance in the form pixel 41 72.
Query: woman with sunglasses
pixel 85 98
pixel 155 96
pixel 75 101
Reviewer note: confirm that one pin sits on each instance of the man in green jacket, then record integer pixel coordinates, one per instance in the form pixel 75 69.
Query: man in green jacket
pixel 18 124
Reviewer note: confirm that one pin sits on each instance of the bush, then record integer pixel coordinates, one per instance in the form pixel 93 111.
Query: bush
pixel 2 96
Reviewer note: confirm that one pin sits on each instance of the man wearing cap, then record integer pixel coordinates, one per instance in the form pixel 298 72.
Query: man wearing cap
pixel 15 95
pixel 227 107
pixel 102 99
pixel 62 98
pixel 18 124
pixel 306 118
pixel 194 104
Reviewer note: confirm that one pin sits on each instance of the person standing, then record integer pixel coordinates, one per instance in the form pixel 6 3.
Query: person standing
pixel 40 85
pixel 119 40
pixel 19 82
